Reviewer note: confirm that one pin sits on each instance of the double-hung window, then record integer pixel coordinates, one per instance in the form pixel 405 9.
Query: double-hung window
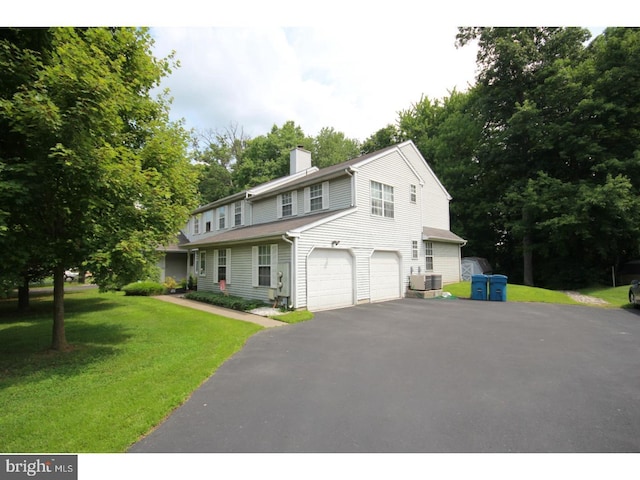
pixel 202 263
pixel 287 204
pixel 237 214
pixel 222 218
pixel 196 225
pixel 315 197
pixel 413 196
pixel 264 265
pixel 381 200
pixel 429 256
pixel 414 249
pixel 222 265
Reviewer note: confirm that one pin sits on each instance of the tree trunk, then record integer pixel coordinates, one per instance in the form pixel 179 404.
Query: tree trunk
pixel 23 295
pixel 527 252
pixel 59 340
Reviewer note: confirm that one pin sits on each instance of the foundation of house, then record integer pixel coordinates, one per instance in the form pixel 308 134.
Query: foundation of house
pixel 423 293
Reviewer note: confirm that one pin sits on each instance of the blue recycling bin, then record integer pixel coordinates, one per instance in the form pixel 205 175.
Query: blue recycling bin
pixel 498 288
pixel 479 287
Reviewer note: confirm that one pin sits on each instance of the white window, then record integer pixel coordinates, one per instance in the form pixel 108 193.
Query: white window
pixel 414 195
pixel 287 204
pixel 237 214
pixel 381 200
pixel 202 263
pixel 264 261
pixel 414 249
pixel 222 218
pixel 196 225
pixel 429 256
pixel 316 197
pixel 222 265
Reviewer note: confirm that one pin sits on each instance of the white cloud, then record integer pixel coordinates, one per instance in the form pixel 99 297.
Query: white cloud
pixel 352 79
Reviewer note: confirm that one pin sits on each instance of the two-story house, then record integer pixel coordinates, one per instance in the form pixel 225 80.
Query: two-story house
pixel 328 238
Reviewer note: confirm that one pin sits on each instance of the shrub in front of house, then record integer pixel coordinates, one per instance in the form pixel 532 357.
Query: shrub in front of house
pixel 143 289
pixel 226 301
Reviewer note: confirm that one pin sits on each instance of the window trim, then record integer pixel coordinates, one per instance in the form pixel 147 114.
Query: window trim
pixel 216 265
pixel 273 265
pixel 415 250
pixel 237 204
pixel 413 194
pixel 379 201
pixel 428 247
pixel 202 263
pixel 325 197
pixel 221 218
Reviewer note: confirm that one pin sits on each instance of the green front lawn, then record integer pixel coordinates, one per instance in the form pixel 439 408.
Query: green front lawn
pixel 134 360
pixel 616 296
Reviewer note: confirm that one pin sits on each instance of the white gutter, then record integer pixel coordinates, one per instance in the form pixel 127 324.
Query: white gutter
pixel 292 274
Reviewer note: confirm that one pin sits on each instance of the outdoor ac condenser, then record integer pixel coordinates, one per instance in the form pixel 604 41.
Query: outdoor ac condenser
pixel 420 282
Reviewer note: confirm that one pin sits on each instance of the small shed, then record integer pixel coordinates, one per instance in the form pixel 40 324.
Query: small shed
pixel 474 266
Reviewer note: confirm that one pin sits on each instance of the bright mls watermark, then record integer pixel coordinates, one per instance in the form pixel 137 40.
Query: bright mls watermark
pixel 58 467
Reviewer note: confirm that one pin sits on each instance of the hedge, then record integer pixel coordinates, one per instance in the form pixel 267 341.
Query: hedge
pixel 226 301
pixel 144 289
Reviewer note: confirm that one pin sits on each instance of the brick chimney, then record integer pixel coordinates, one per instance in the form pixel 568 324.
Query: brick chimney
pixel 300 160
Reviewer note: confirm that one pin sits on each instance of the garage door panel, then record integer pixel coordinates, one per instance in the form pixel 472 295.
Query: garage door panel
pixel 385 276
pixel 329 279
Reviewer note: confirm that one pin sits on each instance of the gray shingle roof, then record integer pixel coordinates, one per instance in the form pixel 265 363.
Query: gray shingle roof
pixel 262 230
pixel 440 235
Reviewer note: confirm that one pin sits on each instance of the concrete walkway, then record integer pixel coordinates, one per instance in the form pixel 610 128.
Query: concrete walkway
pixel 223 312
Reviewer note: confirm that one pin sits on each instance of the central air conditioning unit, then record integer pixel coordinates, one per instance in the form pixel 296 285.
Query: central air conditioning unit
pixel 420 282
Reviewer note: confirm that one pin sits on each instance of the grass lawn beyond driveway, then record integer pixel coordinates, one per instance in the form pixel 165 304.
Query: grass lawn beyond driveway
pixel 135 359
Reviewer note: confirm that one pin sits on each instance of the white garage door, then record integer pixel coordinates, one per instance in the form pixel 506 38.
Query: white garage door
pixel 385 276
pixel 329 279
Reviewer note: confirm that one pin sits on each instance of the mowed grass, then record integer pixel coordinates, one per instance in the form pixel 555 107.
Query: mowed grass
pixel 617 297
pixel 516 293
pixel 134 360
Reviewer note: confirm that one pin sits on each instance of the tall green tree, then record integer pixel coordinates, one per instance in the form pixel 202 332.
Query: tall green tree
pixel 267 156
pixel 217 152
pixel 383 138
pixel 561 194
pixel 102 174
pixel 331 147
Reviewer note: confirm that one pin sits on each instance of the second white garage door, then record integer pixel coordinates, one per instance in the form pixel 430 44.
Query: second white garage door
pixel 385 276
pixel 329 279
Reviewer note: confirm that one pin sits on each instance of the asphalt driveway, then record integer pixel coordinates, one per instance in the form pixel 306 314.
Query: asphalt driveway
pixel 423 376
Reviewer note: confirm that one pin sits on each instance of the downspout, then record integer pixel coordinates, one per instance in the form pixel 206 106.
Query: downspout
pixel 351 172
pixel 292 275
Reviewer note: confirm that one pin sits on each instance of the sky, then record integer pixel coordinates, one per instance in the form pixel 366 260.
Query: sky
pixel 352 79
pixel 347 64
